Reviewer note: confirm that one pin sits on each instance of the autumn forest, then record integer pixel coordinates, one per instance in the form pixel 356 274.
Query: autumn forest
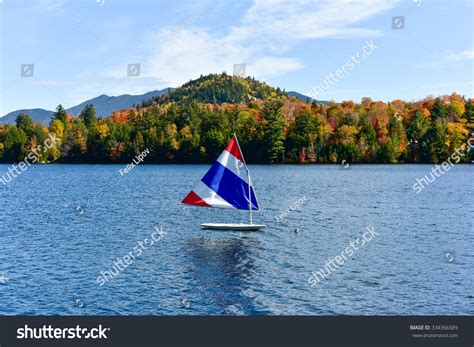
pixel 193 123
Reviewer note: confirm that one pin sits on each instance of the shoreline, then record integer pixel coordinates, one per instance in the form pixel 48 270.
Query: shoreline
pixel 253 164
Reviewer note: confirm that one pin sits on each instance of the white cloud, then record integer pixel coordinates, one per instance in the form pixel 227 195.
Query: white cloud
pixel 459 56
pixel 309 19
pixel 448 59
pixel 268 67
pixel 268 29
pixel 263 39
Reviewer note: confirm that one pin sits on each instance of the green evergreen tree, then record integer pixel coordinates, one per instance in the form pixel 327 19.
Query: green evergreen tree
pixel 439 110
pixel 398 139
pixel 469 114
pixel 60 114
pixel 418 127
pixel 275 130
pixel 433 145
pixel 88 116
pixel 25 123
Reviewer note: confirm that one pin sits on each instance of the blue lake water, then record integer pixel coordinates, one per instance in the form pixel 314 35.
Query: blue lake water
pixel 62 225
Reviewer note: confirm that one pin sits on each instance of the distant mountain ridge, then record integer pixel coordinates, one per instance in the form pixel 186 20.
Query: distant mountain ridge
pixel 39 115
pixel 305 98
pixel 213 88
pixel 104 106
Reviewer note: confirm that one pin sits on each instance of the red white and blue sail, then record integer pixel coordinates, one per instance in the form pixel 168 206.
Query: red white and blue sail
pixel 227 184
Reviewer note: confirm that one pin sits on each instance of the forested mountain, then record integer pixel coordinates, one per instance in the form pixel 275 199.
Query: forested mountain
pixel 104 106
pixel 218 89
pixel 193 123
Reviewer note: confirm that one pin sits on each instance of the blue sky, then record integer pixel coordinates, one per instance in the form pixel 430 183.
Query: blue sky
pixel 80 49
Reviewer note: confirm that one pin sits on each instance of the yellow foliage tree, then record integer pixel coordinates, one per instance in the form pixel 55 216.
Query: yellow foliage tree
pixel 103 130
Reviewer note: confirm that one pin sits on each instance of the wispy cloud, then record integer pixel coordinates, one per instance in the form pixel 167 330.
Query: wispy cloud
pixel 448 59
pixel 449 84
pixel 311 19
pixel 460 56
pixel 263 39
pixel 54 83
pixel 47 5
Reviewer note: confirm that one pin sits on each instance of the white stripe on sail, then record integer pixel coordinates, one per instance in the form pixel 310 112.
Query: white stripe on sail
pixel 210 197
pixel 233 164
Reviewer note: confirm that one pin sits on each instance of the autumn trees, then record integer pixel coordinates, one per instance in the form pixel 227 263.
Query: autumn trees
pixel 271 127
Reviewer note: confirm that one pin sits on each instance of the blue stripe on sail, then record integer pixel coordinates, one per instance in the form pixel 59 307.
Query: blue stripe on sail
pixel 229 186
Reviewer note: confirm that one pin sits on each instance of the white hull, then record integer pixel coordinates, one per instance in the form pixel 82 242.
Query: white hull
pixel 230 226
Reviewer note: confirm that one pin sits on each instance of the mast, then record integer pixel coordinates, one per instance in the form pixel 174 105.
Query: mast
pixel 248 179
pixel 250 199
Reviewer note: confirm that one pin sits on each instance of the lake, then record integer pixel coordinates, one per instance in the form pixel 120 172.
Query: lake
pixel 62 226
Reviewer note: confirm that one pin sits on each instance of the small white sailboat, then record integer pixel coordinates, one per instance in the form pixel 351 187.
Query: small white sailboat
pixel 227 184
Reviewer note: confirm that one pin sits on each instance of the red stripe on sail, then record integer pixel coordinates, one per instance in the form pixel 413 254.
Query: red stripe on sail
pixel 193 199
pixel 233 148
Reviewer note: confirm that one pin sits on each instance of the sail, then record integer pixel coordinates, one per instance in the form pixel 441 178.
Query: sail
pixel 226 184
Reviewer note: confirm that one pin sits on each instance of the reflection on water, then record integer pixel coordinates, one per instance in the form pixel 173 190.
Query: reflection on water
pixel 222 268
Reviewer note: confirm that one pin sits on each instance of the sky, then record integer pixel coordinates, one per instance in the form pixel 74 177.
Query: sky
pixel 82 48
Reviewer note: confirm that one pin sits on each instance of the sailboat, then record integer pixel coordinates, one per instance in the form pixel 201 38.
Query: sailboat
pixel 227 184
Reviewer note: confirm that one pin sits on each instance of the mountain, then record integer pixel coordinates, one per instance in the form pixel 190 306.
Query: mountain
pixel 104 106
pixel 305 98
pixel 218 89
pixel 39 115
pixel 223 88
pixel 213 88
pixel 300 96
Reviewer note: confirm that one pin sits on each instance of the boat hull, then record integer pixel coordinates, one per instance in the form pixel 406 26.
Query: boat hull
pixel 230 226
